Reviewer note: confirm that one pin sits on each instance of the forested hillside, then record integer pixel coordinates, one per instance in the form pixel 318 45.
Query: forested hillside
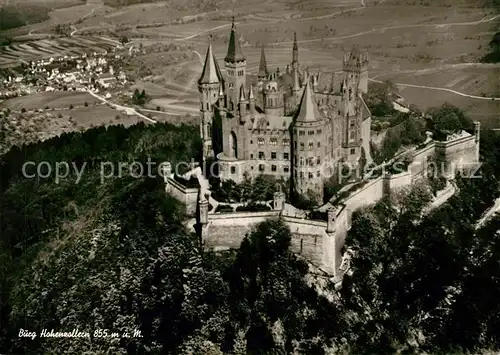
pixel 115 255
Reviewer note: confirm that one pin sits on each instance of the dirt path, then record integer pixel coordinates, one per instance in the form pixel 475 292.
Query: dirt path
pixel 441 89
pixel 383 29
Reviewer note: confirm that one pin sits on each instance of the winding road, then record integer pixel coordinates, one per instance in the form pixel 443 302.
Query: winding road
pixel 128 110
pixel 441 89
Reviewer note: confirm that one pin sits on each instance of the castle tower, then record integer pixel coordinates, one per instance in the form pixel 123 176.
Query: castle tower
pixel 351 122
pixel 235 63
pixel 295 53
pixel 263 73
pixel 355 66
pixel 209 86
pixel 309 136
pixel 274 103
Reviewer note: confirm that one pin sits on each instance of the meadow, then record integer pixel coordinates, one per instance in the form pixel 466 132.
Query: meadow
pixel 61 99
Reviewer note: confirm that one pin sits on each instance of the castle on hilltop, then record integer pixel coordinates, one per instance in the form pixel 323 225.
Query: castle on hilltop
pixel 289 124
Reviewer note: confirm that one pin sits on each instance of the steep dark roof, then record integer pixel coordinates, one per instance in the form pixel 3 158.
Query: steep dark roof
pixel 308 110
pixel 234 53
pixel 210 74
pixel 263 63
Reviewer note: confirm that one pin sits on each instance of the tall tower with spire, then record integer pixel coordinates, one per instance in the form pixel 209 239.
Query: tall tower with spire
pixel 235 64
pixel 209 86
pixel 355 67
pixel 295 53
pixel 263 73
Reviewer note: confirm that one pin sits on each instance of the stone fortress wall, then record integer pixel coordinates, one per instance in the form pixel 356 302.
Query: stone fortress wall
pixel 321 242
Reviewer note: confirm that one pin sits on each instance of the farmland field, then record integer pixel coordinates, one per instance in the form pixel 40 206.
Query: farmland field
pixel 49 99
pixel 46 48
pixel 426 43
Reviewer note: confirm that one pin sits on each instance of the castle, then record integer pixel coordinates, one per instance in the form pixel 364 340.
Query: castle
pixel 286 123
pixel 292 126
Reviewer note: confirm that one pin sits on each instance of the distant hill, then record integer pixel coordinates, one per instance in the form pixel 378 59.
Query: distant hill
pixel 25 12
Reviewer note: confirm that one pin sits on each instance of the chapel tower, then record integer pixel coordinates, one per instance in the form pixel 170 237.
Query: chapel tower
pixel 235 64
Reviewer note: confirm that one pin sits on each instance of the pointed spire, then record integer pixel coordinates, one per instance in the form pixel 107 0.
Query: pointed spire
pixel 308 110
pixel 295 51
pixel 209 74
pixel 221 90
pixel 263 64
pixel 234 53
pixel 251 95
pixel 242 93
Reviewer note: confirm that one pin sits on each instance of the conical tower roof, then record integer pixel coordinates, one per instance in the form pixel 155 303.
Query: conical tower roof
pixel 242 94
pixel 234 53
pixel 210 73
pixel 308 110
pixel 263 64
pixel 250 95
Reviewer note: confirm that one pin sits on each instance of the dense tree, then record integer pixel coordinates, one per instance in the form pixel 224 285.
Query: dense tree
pixel 379 98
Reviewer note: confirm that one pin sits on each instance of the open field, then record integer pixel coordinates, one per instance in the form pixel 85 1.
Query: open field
pixel 415 42
pixel 100 115
pixel 48 99
pixel 485 111
pixel 478 79
pixel 46 48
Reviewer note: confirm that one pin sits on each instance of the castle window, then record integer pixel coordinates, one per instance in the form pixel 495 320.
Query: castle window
pixel 286 169
pixel 208 107
pixel 301 146
pixel 273 140
pixel 318 160
pixel 233 170
pixel 260 140
pixel 310 133
pixel 261 167
pixel 251 141
pixel 319 144
pixel 318 174
pixel 352 124
pixel 286 156
pixel 301 161
pixel 231 85
pixel 353 151
pixel 311 145
pixel 295 173
pixel 351 135
pixel 318 131
pixel 301 174
pixel 310 161
pixel 311 175
pixel 286 141
pixel 302 133
pixel 273 168
pixel 261 155
pixel 273 155
pixel 251 156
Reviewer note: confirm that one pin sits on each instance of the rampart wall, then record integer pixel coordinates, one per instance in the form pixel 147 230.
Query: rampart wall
pixel 321 242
